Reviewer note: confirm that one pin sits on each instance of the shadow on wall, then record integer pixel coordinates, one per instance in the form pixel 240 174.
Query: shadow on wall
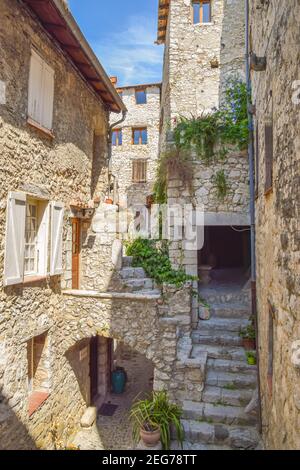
pixel 10 426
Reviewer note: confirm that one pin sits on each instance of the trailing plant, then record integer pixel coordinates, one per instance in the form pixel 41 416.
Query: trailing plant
pixel 154 412
pixel 155 260
pixel 248 332
pixel 173 162
pixel 221 184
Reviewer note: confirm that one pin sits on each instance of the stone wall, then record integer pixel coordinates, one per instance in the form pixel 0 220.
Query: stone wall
pixel 59 169
pixel 275 34
pixel 139 115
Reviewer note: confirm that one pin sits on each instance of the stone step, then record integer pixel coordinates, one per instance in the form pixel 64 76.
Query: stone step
pixel 222 396
pixel 216 324
pixel 216 297
pixel 230 311
pixel 132 273
pixel 186 445
pixel 223 365
pixel 219 352
pixel 127 261
pixel 215 413
pixel 137 284
pixel 217 338
pixel 230 380
pixel 236 437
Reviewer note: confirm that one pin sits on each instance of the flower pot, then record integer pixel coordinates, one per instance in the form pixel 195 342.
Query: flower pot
pixel 109 201
pixel 249 344
pixel 251 361
pixel 150 438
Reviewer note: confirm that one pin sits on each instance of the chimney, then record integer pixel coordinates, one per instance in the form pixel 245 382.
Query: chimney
pixel 114 80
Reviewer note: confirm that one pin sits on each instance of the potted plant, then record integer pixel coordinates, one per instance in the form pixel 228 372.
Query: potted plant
pixel 248 336
pixel 152 419
pixel 251 357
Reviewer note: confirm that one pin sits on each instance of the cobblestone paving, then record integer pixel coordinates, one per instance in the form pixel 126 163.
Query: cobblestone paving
pixel 115 432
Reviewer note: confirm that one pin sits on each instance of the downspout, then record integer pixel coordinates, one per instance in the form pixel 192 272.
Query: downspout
pixel 252 202
pixel 110 131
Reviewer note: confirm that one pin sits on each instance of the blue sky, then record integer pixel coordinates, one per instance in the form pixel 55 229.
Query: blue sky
pixel 122 34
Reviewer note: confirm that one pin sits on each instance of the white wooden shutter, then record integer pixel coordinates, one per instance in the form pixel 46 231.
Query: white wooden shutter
pixel 15 239
pixel 48 96
pixel 35 87
pixel 57 219
pixel 43 238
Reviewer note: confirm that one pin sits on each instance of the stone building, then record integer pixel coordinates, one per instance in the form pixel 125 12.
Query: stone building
pixel 204 48
pixel 274 39
pixel 66 294
pixel 135 144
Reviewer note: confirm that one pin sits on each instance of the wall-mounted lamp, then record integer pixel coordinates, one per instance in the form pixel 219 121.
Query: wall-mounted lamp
pixel 259 64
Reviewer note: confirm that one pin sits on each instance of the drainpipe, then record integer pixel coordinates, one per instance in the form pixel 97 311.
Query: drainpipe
pixel 110 131
pixel 252 202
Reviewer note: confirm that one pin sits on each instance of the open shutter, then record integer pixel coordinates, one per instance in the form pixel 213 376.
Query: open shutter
pixel 57 219
pixel 35 88
pixel 15 239
pixel 48 96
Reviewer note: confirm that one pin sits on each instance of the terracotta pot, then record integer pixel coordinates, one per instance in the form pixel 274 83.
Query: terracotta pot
pixel 249 344
pixel 109 201
pixel 150 439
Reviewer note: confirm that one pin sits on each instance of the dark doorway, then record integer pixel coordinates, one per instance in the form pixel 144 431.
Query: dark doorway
pixel 94 368
pixel 226 247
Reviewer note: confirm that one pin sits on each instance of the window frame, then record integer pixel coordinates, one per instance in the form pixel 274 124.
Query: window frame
pixel 201 3
pixel 140 90
pixel 31 244
pixel 140 140
pixel 119 141
pixel 137 171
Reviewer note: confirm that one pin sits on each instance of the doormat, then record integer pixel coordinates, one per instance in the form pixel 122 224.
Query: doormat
pixel 107 409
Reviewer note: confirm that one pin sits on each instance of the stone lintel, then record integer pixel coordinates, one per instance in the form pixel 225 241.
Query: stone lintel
pixel 111 295
pixel 226 218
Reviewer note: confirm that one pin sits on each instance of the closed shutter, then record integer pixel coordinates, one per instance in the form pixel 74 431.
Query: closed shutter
pixel 139 171
pixel 48 96
pixel 15 239
pixel 57 218
pixel 268 156
pixel 35 88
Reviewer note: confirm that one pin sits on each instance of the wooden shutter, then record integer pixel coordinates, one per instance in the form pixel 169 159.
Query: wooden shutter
pixel 43 238
pixel 48 96
pixel 139 171
pixel 57 218
pixel 35 87
pixel 268 156
pixel 15 239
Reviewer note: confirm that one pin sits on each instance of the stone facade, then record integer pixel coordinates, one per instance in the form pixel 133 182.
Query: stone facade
pixel 275 35
pixel 145 115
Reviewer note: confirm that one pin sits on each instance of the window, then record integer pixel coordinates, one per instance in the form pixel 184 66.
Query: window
pixel 33 244
pixel 268 156
pixel 140 96
pixel 41 92
pixel 139 171
pixel 117 137
pixel 38 371
pixel 201 11
pixel 140 136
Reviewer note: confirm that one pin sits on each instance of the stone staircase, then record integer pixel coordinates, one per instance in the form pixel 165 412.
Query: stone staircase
pixel 219 421
pixel 135 279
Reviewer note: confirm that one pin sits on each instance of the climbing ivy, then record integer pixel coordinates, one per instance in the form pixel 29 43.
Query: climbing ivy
pixel 209 135
pixel 155 260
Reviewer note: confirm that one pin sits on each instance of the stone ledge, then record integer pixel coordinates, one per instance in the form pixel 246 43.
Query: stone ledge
pixel 111 295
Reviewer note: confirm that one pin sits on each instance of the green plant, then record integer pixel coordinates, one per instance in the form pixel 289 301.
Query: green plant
pixel 200 299
pixel 155 260
pixel 157 412
pixel 230 386
pixel 220 182
pixel 251 357
pixel 248 332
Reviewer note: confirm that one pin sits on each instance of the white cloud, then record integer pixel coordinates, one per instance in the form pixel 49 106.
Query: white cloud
pixel 131 53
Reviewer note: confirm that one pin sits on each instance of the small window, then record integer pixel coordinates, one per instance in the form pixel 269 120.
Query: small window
pixel 268 156
pixel 140 96
pixel 201 11
pixel 140 136
pixel 139 171
pixel 41 92
pixel 117 137
pixel 38 371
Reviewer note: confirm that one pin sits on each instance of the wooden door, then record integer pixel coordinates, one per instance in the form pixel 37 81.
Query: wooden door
pixel 76 229
pixel 94 368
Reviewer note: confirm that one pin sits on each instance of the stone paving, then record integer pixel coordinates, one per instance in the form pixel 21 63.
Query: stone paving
pixel 115 432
